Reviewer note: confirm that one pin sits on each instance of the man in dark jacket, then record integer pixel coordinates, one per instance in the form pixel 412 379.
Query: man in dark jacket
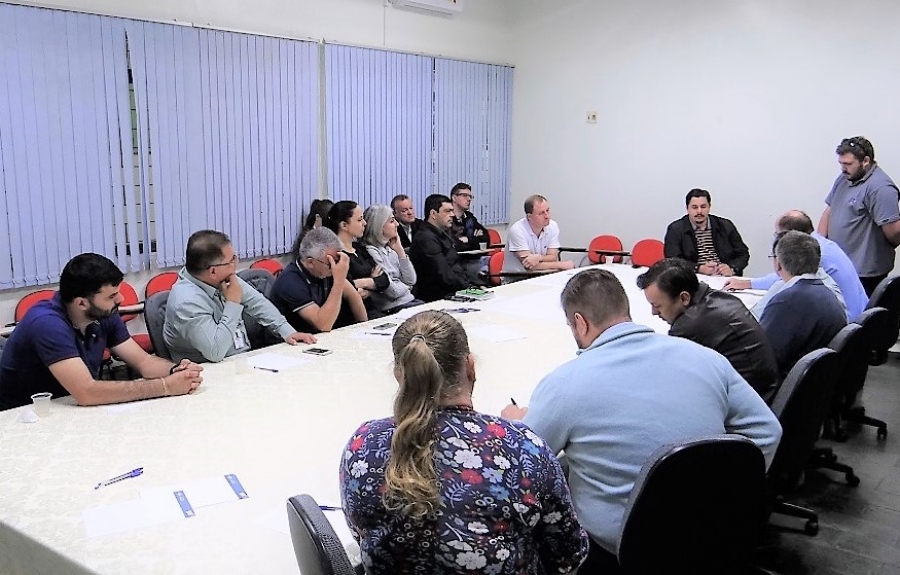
pixel 711 243
pixel 407 222
pixel 439 269
pixel 712 318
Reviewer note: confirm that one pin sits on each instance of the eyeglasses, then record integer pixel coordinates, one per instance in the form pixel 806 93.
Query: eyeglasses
pixel 233 260
pixel 336 258
pixel 470 196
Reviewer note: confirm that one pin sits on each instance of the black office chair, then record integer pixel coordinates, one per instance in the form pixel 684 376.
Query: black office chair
pixel 155 318
pixel 873 323
pixel 260 279
pixel 886 295
pixel 697 507
pixel 318 549
pixel 801 405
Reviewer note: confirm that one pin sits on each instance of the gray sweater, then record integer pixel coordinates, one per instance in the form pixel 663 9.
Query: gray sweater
pixel 402 274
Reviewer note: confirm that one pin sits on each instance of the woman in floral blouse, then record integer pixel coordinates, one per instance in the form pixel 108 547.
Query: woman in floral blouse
pixel 440 488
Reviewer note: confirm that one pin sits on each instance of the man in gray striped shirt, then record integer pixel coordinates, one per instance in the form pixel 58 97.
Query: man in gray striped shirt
pixel 711 243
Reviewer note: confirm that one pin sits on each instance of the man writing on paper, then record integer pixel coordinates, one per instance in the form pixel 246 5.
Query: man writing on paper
pixel 59 346
pixel 532 243
pixel 204 314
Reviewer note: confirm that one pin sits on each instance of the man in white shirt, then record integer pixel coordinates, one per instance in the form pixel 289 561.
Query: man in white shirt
pixel 532 243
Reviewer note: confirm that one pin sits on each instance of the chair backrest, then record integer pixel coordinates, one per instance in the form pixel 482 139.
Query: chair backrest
pixel 495 266
pixel 155 318
pixel 29 300
pixel 494 238
pixel 129 297
pixel 273 266
pixel 853 360
pixel 697 507
pixel 604 243
pixel 259 278
pixel 874 323
pixel 887 295
pixel 801 405
pixel 647 252
pixel 160 282
pixel 317 547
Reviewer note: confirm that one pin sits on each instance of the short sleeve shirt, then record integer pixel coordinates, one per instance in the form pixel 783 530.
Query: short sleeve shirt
pixel 296 289
pixel 858 210
pixel 522 238
pixel 44 337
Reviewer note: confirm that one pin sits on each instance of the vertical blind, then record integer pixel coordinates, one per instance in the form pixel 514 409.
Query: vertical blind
pixel 65 171
pixel 378 118
pixel 472 107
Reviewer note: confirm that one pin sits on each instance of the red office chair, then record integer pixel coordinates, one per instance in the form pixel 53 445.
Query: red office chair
pixel 160 282
pixel 129 297
pixel 494 238
pixel 29 300
pixel 611 243
pixel 270 265
pixel 495 266
pixel 647 252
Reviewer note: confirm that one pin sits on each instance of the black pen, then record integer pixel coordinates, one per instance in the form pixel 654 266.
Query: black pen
pixel 514 402
pixel 265 369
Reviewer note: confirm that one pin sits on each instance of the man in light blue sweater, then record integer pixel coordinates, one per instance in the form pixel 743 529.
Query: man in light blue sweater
pixel 627 393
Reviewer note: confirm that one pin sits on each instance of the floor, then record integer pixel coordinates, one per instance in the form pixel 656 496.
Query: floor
pixel 859 528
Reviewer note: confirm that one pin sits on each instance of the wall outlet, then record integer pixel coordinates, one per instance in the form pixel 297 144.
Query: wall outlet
pixel 592 117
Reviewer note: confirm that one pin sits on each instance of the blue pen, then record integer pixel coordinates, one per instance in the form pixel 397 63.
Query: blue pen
pixel 329 508
pixel 117 478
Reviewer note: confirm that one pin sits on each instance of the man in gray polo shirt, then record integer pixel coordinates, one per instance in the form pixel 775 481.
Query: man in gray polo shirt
pixel 862 216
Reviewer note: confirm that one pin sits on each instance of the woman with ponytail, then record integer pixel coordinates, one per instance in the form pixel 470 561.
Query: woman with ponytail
pixel 440 488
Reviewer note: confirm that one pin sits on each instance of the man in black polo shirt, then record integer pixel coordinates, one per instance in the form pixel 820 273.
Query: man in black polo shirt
pixel 313 292
pixel 712 318
pixel 709 242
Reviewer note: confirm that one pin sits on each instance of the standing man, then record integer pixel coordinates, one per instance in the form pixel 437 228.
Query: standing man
pixel 712 318
pixel 58 346
pixel 862 214
pixel 629 392
pixel 711 243
pixel 532 243
pixel 204 315
pixel 439 270
pixel 408 223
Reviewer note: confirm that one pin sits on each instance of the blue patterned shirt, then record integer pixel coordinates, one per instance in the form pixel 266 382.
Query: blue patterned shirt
pixel 505 506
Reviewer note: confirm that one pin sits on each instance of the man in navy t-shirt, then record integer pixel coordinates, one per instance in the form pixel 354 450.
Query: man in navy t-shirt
pixel 58 347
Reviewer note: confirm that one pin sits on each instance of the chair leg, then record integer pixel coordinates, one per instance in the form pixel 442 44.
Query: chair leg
pixel 791 510
pixel 826 458
pixel 858 415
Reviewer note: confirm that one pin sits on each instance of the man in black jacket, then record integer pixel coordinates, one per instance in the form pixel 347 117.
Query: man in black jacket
pixel 712 318
pixel 711 243
pixel 407 222
pixel 438 266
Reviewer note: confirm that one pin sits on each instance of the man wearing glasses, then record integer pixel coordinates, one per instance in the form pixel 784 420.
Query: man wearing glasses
pixel 313 291
pixel 204 314
pixel 862 214
pixel 466 230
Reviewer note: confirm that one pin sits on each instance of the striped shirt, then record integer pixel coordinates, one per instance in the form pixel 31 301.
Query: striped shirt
pixel 706 251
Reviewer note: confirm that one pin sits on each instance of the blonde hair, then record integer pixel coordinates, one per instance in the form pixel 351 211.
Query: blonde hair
pixel 429 353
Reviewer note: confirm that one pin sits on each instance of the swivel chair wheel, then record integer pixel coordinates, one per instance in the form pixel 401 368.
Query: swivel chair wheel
pixel 811 527
pixel 852 480
pixel 881 435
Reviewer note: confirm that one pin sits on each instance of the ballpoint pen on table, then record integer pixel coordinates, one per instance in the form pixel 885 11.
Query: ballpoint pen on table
pixel 117 478
pixel 265 369
pixel 329 508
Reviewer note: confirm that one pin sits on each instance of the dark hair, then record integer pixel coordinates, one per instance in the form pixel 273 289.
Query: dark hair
pixel 340 212
pixel 204 248
pixel 671 276
pixel 398 198
pixel 316 208
pixel 858 146
pixel 697 193
pixel 86 274
pixel 429 350
pixel 434 202
pixel 531 200
pixel 597 295
pixel 797 253
pixel 795 220
pixel 459 187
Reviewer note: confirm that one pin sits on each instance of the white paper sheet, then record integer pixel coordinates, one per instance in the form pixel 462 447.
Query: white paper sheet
pixel 275 361
pixel 495 333
pixel 128 515
pixel 199 492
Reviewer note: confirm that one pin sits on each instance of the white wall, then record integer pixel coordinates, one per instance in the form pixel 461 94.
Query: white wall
pixel 480 33
pixel 746 98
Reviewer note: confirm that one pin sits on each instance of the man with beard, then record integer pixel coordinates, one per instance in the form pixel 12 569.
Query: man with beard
pixel 862 216
pixel 711 243
pixel 59 346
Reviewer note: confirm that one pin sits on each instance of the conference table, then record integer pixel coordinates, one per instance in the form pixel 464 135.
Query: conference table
pixel 277 419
